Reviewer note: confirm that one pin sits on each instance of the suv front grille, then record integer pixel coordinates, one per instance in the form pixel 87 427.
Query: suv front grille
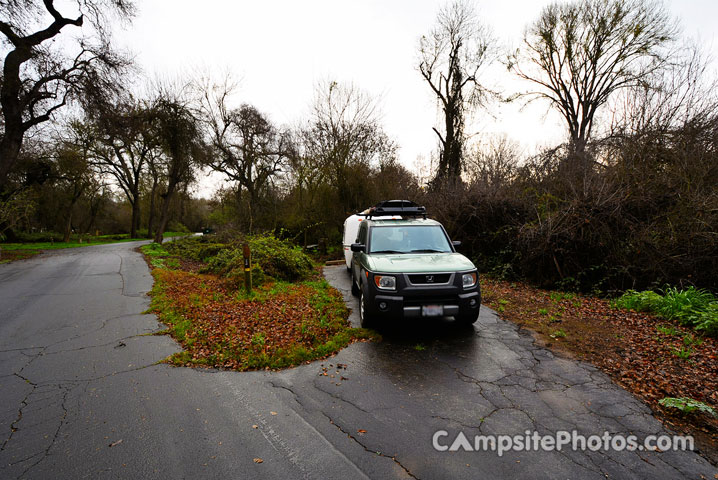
pixel 427 299
pixel 429 278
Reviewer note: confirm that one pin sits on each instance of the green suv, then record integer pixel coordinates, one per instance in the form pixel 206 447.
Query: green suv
pixel 409 268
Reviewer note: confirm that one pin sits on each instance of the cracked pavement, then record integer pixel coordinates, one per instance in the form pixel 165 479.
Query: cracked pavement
pixel 82 395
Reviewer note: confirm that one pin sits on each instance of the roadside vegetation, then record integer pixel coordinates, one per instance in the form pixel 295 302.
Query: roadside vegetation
pixel 291 316
pixel 34 244
pixel 645 341
pixel 691 307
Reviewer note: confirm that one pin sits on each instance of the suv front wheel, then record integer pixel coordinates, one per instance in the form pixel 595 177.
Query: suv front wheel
pixel 355 287
pixel 364 315
pixel 467 318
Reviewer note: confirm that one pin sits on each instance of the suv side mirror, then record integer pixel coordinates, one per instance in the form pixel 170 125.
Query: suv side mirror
pixel 358 247
pixel 456 243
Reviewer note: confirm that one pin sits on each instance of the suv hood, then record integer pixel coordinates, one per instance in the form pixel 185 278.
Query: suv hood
pixel 419 263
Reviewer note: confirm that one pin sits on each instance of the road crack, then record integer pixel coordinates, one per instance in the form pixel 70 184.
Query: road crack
pixel 368 450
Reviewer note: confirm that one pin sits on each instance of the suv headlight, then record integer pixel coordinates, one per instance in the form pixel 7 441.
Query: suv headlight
pixel 385 282
pixel 469 279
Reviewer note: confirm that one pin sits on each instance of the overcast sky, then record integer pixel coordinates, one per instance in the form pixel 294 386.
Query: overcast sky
pixel 279 49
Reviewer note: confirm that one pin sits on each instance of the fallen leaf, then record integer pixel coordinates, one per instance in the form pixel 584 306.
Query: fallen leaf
pixel 258 460
pixel 361 431
pixel 273 413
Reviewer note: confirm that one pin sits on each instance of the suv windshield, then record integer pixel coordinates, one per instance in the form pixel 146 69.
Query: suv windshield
pixel 409 239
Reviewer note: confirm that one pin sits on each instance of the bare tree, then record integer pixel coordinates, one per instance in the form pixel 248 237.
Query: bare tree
pixel 181 143
pixel 39 78
pixel 121 137
pixel 246 146
pixel 493 163
pixel 75 177
pixel 668 99
pixel 579 53
pixel 344 134
pixel 451 58
pixel 153 166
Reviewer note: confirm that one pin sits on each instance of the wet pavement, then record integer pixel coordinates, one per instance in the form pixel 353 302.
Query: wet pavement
pixel 81 394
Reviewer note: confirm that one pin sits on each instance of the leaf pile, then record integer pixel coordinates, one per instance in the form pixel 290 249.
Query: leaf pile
pixel 279 325
pixel 651 357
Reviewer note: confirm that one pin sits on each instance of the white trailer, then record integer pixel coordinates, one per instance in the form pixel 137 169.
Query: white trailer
pixel 351 229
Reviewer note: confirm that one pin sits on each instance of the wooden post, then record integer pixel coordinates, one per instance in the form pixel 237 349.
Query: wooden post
pixel 247 268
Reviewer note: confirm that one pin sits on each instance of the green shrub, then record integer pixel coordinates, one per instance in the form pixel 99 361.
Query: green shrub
pixel 707 322
pixel 690 307
pixel 279 258
pixel 687 306
pixel 271 258
pixel 646 301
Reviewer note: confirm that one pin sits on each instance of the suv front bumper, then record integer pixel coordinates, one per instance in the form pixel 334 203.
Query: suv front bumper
pixel 410 299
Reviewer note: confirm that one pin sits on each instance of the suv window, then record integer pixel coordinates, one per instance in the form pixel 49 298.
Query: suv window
pixel 361 236
pixel 409 239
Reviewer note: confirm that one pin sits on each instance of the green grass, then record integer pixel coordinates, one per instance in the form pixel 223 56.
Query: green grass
pixel 557 297
pixel 159 257
pixel 691 307
pixel 87 240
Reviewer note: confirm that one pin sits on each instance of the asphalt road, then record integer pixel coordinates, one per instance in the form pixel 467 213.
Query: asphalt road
pixel 81 395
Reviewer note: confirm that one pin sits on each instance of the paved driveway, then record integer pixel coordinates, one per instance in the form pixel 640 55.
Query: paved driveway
pixel 81 395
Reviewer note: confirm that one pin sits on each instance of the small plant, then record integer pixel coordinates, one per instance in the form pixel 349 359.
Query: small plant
pixel 667 329
pixel 419 347
pixel 689 341
pixel 543 311
pixel 258 339
pixel 688 405
pixel 557 297
pixel 560 333
pixel 684 353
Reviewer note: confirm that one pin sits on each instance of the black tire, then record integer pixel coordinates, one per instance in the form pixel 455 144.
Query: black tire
pixel 467 318
pixel 366 320
pixel 355 288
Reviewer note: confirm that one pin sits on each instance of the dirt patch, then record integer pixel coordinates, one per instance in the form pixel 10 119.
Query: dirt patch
pixel 647 355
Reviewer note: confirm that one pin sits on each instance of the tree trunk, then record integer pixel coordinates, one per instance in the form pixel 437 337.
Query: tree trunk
pixel 9 151
pixel 68 227
pixel 151 220
pixel 135 217
pixel 164 214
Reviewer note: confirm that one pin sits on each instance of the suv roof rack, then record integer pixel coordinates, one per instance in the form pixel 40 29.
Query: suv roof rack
pixel 405 208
